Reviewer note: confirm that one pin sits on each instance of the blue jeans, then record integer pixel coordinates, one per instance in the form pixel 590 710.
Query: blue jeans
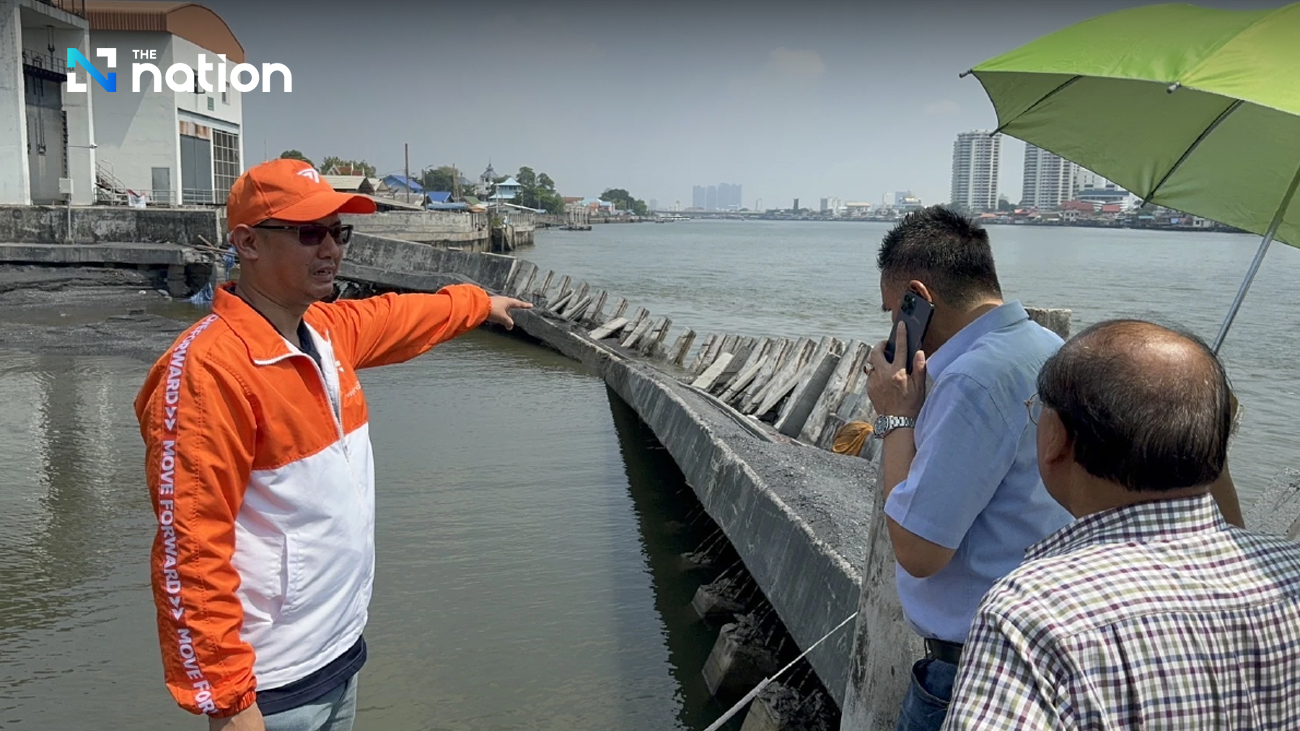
pixel 926 704
pixel 333 711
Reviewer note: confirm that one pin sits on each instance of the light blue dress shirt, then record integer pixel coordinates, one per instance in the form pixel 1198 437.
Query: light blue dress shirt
pixel 974 485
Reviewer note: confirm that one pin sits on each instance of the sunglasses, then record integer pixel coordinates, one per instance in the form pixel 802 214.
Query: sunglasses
pixel 312 234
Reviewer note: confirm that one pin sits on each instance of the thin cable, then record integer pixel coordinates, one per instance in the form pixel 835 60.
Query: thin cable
pixel 751 695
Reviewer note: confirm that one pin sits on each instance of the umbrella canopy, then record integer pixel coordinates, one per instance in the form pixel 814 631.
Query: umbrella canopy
pixel 1192 108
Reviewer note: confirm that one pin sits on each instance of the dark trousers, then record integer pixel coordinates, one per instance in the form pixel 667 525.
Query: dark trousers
pixel 926 704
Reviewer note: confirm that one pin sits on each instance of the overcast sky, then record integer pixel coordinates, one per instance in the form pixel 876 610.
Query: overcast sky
pixel 789 99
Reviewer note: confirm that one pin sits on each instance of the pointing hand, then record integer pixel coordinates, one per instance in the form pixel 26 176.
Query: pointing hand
pixel 501 307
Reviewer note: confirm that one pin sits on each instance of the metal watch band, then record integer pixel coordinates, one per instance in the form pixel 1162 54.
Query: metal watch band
pixel 886 424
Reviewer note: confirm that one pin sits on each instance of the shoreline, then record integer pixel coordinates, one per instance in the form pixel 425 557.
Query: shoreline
pixel 890 221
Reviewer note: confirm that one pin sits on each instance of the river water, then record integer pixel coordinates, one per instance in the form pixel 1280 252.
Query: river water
pixel 819 278
pixel 528 538
pixel 528 525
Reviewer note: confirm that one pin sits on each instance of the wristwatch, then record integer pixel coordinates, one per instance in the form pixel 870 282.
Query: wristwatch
pixel 886 424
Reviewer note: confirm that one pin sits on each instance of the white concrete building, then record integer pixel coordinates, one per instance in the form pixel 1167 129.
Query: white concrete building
pixel 46 133
pixel 857 209
pixel 1049 179
pixel 183 147
pixel 976 159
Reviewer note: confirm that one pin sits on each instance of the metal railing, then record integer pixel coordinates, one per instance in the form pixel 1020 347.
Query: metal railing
pixel 46 62
pixel 196 198
pixel 107 197
pixel 76 7
pixel 202 197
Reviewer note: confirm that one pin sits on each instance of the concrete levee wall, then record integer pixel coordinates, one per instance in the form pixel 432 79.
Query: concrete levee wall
pixel 98 224
pixel 455 228
pixel 796 515
pixel 376 255
pixel 144 255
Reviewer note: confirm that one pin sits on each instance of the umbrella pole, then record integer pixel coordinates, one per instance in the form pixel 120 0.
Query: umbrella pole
pixel 1254 265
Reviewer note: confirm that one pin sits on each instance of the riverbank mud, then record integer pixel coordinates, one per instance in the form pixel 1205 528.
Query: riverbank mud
pixel 88 311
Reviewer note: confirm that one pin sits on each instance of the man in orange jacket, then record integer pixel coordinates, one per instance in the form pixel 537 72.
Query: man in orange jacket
pixel 259 462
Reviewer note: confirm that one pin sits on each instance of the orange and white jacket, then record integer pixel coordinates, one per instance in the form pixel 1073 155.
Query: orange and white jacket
pixel 261 473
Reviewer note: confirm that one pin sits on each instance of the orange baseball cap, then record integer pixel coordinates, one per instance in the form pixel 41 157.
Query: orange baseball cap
pixel 290 190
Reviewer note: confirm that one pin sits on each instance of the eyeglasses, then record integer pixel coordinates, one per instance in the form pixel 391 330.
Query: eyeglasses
pixel 313 234
pixel 1034 405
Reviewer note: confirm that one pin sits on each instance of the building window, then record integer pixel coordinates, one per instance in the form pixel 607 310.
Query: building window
pixel 210 106
pixel 225 97
pixel 225 161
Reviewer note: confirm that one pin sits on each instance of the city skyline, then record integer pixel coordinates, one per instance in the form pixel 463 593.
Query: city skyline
pixel 720 197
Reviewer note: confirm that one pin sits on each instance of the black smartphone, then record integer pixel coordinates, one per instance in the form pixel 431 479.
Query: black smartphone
pixel 914 311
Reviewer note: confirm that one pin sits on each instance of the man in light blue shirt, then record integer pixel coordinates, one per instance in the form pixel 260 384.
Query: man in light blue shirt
pixel 963 497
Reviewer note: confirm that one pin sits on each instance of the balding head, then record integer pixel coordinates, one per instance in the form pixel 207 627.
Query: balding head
pixel 1146 407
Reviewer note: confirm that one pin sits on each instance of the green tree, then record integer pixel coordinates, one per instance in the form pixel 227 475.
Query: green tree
pixel 624 201
pixel 537 190
pixel 338 166
pixel 439 179
pixel 551 201
pixel 296 155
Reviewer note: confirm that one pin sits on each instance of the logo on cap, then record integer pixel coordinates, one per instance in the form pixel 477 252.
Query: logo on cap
pixel 310 173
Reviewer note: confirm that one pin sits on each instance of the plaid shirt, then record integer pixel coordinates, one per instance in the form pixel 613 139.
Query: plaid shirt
pixel 1152 616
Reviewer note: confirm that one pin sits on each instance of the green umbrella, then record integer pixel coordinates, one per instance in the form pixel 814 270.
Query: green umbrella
pixel 1191 108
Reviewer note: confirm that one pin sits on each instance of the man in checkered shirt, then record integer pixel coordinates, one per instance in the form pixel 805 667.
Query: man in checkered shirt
pixel 1150 611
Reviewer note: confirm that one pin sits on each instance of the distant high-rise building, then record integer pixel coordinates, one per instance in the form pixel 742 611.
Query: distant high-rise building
pixel 729 197
pixel 901 196
pixel 796 205
pixel 1049 179
pixel 826 205
pixel 654 204
pixel 720 197
pixel 976 157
